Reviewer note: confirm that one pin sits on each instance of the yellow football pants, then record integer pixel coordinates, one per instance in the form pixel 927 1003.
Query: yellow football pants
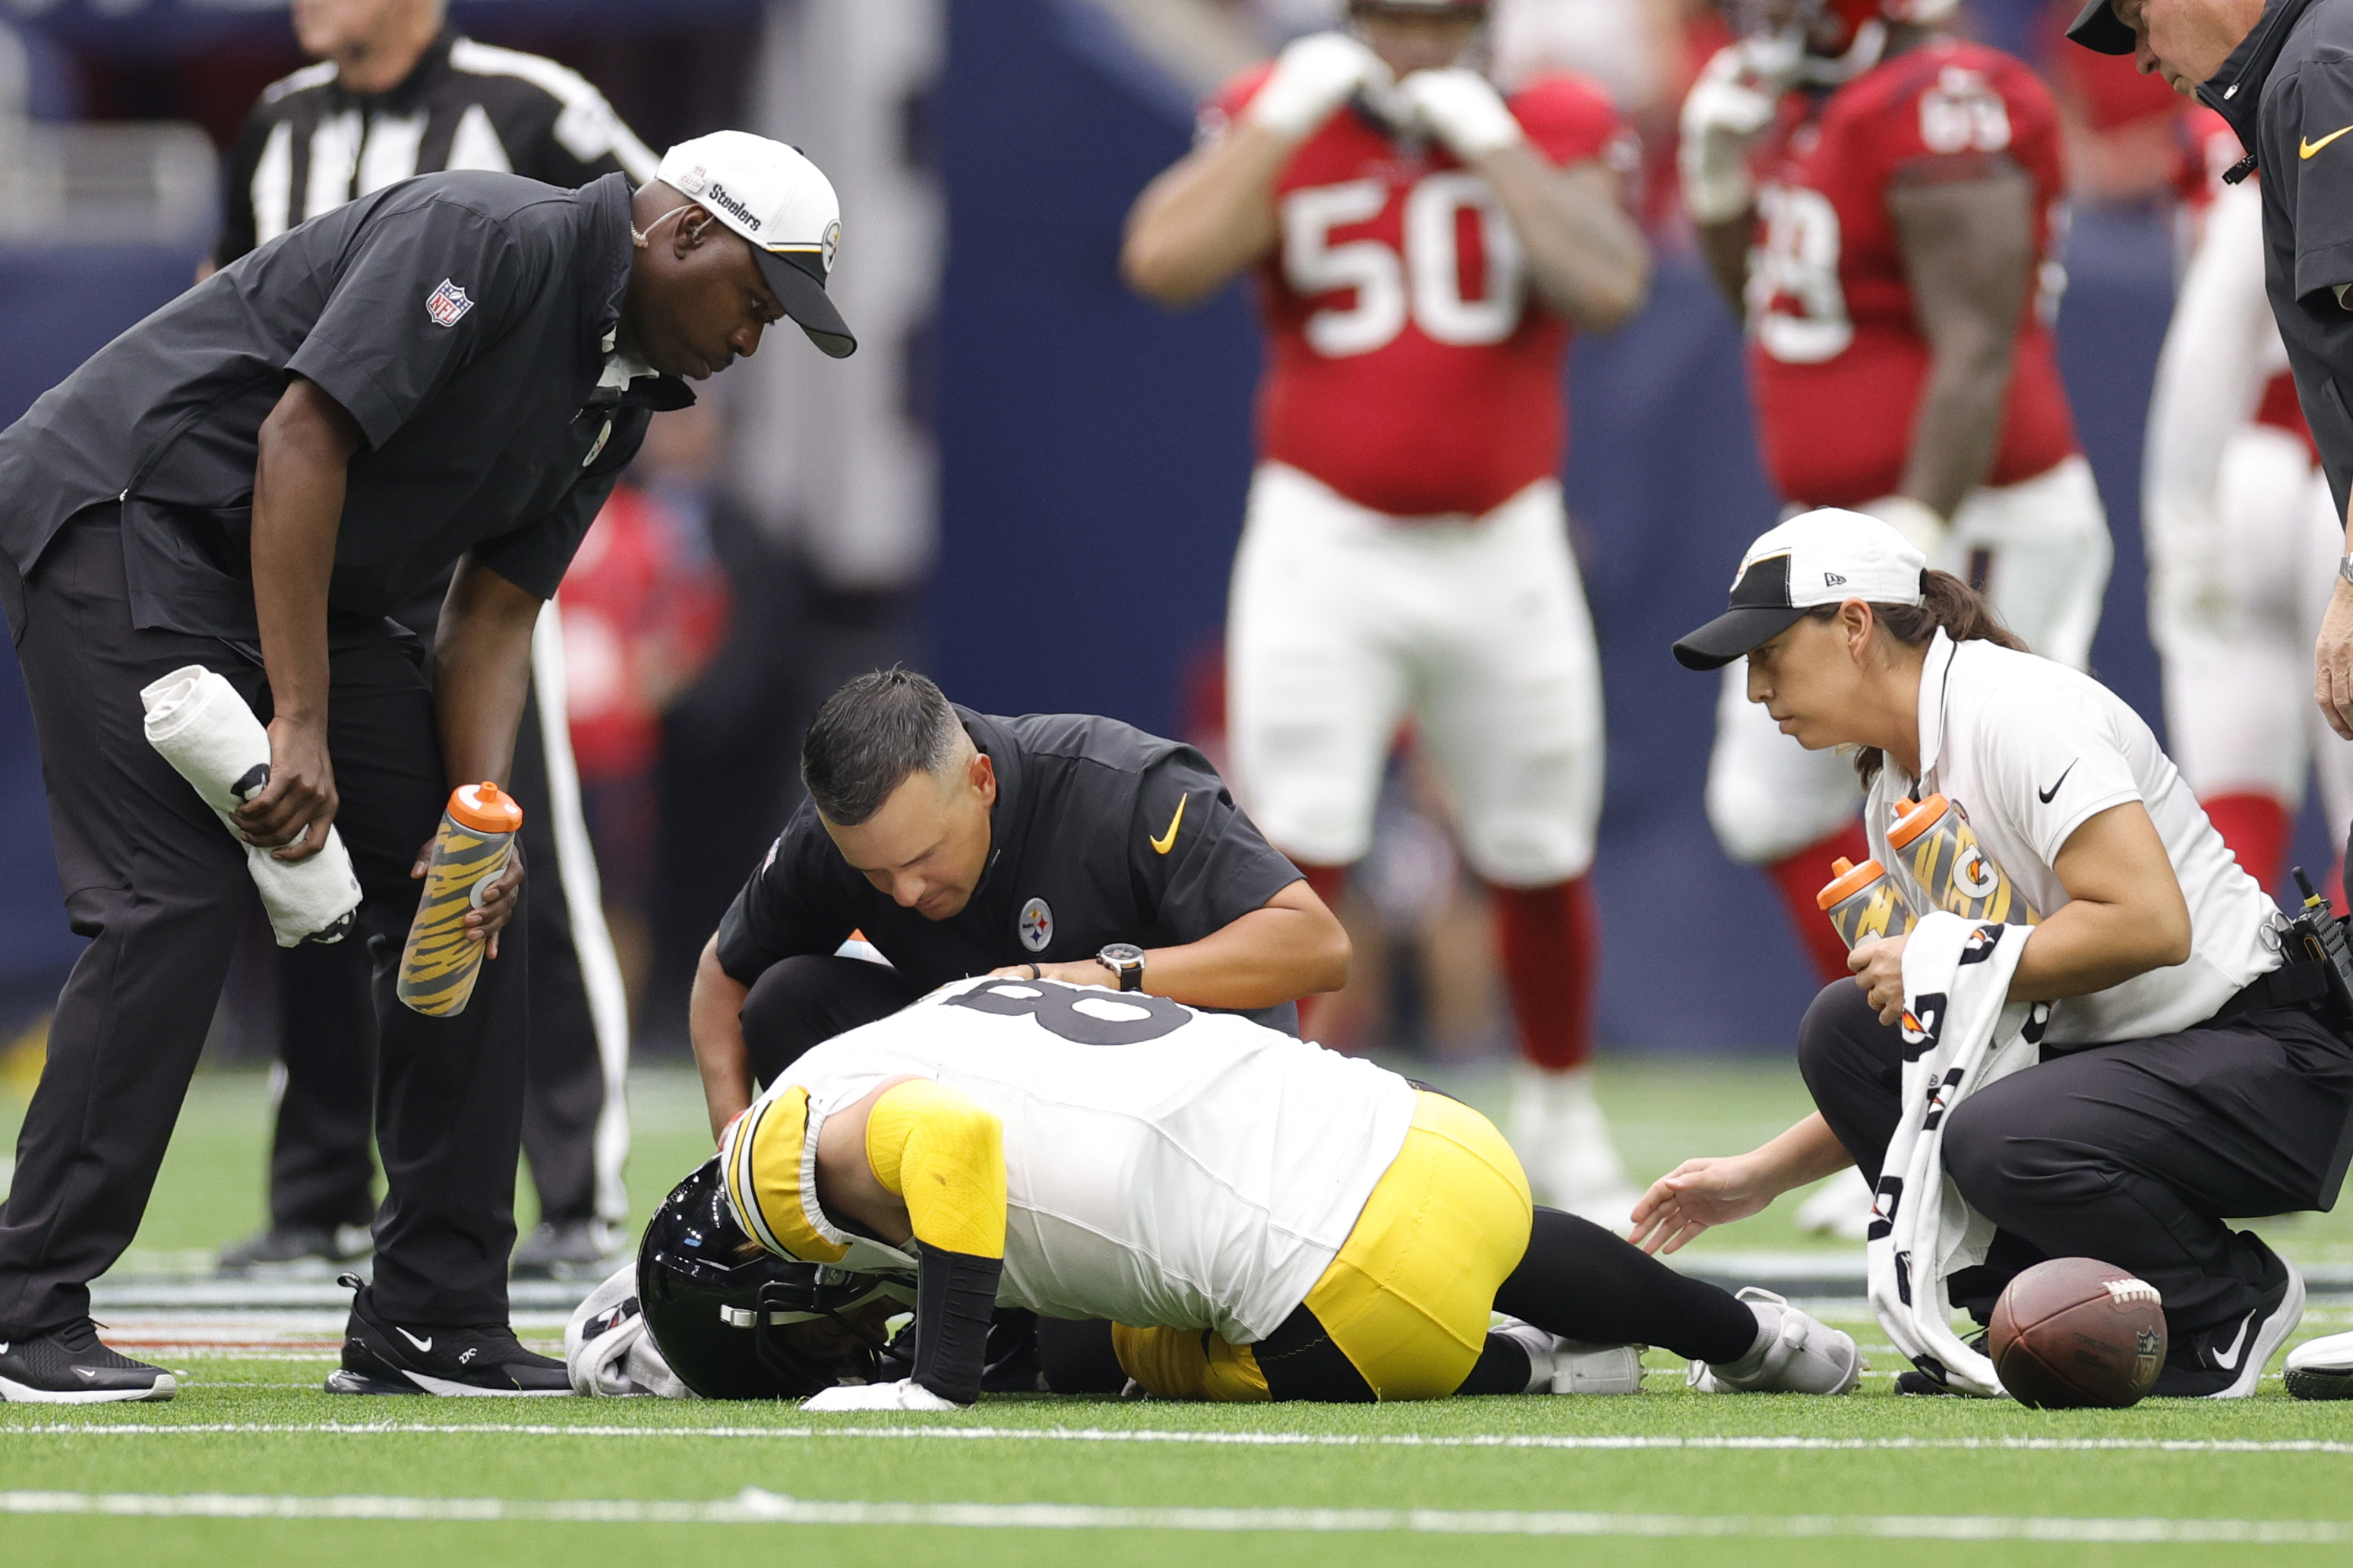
pixel 1407 1299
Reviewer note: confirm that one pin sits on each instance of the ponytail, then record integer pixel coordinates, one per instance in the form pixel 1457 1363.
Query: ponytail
pixel 1946 603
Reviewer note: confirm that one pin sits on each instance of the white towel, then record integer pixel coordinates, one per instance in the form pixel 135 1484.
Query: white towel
pixel 203 728
pixel 1960 1033
pixel 607 1350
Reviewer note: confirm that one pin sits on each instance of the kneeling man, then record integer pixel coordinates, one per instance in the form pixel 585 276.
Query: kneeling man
pixel 1258 1218
pixel 1054 846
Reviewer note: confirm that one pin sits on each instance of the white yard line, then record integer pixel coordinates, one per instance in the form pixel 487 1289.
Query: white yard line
pixel 753 1505
pixel 1766 1443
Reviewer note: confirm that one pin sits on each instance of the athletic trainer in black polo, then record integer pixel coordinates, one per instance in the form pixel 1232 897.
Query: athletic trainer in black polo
pixel 452 369
pixel 1054 845
pixel 2281 71
pixel 394 93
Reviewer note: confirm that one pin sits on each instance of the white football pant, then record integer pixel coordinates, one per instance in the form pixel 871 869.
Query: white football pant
pixel 1344 621
pixel 2040 547
pixel 2239 713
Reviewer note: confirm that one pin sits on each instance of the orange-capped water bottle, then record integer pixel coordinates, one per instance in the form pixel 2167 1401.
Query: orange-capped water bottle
pixel 1935 841
pixel 438 966
pixel 1864 903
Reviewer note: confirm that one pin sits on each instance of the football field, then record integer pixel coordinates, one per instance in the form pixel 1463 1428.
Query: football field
pixel 253 1464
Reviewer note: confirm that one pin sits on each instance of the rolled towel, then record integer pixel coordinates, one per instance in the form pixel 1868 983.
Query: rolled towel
pixel 203 728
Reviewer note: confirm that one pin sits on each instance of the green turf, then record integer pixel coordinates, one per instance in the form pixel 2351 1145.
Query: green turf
pixel 449 1462
pixel 210 1193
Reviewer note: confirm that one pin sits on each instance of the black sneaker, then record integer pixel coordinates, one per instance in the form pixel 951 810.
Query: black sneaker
pixel 70 1367
pixel 1919 1384
pixel 479 1360
pixel 295 1248
pixel 566 1249
pixel 2228 1362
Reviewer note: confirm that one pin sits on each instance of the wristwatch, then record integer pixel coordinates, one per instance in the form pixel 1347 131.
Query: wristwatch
pixel 1125 960
pixel 2345 569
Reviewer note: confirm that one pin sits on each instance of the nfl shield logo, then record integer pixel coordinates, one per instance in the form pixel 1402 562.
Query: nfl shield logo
pixel 1036 925
pixel 447 304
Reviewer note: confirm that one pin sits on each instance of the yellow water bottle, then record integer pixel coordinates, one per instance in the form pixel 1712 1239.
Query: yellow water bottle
pixel 1935 840
pixel 438 966
pixel 1864 902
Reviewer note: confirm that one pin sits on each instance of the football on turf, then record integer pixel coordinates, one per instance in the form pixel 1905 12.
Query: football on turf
pixel 2076 1332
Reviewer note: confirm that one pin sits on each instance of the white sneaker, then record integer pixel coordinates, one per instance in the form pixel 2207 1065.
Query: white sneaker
pixel 1563 1141
pixel 2322 1368
pixel 1839 1208
pixel 1794 1353
pixel 1556 1366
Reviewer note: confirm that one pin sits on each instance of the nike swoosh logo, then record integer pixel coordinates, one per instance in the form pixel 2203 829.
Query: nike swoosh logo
pixel 422 1344
pixel 2229 1359
pixel 2045 795
pixel 1167 841
pixel 2306 149
pixel 88 1374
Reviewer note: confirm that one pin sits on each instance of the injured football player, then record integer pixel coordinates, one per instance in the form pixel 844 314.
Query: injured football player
pixel 1256 1217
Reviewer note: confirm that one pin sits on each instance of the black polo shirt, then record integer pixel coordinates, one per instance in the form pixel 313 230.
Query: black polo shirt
pixel 1087 847
pixel 466 321
pixel 2288 91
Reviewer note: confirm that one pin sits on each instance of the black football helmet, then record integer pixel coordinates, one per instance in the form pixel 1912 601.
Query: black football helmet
pixel 719 1306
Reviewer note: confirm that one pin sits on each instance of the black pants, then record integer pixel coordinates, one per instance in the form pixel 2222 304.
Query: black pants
pixel 161 889
pixel 320 1164
pixel 803 1001
pixel 2133 1153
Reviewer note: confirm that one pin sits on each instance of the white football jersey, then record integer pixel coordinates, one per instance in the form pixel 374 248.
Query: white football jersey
pixel 1164 1167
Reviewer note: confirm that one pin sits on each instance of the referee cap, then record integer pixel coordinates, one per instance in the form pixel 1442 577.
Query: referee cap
pixel 784 204
pixel 1823 557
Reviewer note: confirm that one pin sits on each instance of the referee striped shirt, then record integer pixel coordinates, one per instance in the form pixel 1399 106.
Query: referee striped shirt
pixel 312 144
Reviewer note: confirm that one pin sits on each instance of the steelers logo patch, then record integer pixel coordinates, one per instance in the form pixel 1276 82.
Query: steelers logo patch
pixel 1036 925
pixel 830 243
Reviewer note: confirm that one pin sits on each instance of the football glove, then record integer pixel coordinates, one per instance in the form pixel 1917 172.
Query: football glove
pixel 1313 77
pixel 907 1394
pixel 1462 109
pixel 1733 102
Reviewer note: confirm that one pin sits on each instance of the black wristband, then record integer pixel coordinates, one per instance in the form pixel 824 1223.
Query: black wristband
pixel 955 1296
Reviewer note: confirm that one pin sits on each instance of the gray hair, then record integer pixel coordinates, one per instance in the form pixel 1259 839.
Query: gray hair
pixel 870 735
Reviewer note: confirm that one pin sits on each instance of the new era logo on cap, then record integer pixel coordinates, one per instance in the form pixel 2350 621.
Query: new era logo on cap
pixel 1822 557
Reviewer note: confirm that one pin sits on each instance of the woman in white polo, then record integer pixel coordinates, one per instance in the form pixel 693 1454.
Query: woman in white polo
pixel 2187 1076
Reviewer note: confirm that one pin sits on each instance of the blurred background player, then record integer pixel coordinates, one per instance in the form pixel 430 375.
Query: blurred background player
pixel 1875 197
pixel 396 93
pixel 2242 537
pixel 1422 245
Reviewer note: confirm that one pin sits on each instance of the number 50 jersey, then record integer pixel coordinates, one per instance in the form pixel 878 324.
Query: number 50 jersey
pixel 1836 355
pixel 1407 366
pixel 1162 1167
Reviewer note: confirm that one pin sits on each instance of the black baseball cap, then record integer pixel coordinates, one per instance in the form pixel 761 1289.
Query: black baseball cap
pixel 2098 29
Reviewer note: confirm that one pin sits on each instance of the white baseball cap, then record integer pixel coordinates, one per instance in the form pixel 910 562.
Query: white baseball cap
pixel 784 204
pixel 1823 557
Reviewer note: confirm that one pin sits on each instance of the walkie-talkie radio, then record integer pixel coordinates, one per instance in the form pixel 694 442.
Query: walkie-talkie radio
pixel 2315 934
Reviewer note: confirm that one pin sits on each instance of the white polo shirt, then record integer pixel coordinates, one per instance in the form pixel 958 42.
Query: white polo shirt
pixel 2032 750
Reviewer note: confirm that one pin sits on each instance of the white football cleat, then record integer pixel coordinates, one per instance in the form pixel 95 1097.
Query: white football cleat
pixel 1556 1366
pixel 1563 1141
pixel 1794 1353
pixel 1841 1208
pixel 2322 1368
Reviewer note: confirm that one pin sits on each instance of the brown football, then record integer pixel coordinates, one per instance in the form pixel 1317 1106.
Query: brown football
pixel 2076 1332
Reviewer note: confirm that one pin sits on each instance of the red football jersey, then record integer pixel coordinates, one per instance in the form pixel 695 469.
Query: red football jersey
pixel 1835 355
pixel 1409 365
